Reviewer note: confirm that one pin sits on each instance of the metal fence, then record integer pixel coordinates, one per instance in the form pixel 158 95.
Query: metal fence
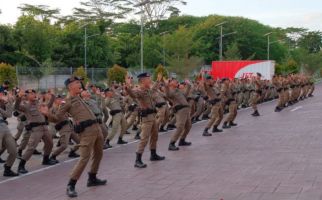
pixel 47 78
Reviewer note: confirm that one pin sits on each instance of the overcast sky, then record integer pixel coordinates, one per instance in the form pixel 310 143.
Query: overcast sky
pixel 276 13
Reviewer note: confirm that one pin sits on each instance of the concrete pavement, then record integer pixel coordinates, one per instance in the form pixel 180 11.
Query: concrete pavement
pixel 275 156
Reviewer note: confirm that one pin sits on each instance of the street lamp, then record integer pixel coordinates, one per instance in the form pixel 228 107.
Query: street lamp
pixel 142 23
pixel 268 43
pixel 221 36
pixel 85 43
pixel 163 34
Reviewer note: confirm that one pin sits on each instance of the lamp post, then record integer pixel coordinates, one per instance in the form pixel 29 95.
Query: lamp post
pixel 85 43
pixel 268 43
pixel 221 36
pixel 163 34
pixel 140 5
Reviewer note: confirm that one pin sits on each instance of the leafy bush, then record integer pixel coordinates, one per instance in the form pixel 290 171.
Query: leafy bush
pixel 8 72
pixel 80 72
pixel 117 74
pixel 160 69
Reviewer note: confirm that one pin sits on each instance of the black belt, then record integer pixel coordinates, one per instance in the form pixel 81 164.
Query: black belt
pixel 159 105
pixel 132 107
pixel 214 101
pixel 114 112
pixel 179 107
pixel 32 125
pixel 84 124
pixel 99 120
pixel 146 112
pixel 61 124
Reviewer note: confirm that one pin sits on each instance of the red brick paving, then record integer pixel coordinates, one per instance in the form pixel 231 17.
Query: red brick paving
pixel 277 156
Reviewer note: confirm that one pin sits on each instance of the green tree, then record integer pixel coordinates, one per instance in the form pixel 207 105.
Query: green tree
pixel 311 41
pixel 35 39
pixel 232 52
pixel 179 46
pixel 40 12
pixel 287 67
pixel 98 10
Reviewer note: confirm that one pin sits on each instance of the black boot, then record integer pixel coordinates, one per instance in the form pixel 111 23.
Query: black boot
pixel 205 132
pixel 94 181
pixel 58 143
pixel 204 117
pixel 137 136
pixel 2 161
pixel 171 126
pixel 19 153
pixel 134 128
pixel 21 167
pixel 216 130
pixel 73 154
pixel 70 191
pixel 53 158
pixel 172 147
pixel 226 125
pixel 193 120
pixel 107 144
pixel 183 142
pixel 36 152
pixel 278 109
pixel 155 156
pixel 138 161
pixel 47 161
pixel 70 141
pixel 162 129
pixel 121 141
pixel 256 113
pixel 8 172
pixel 232 124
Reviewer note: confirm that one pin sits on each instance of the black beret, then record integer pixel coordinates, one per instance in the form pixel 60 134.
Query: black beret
pixel 208 77
pixel 60 96
pixel 72 79
pixel 30 91
pixel 143 75
pixel 259 74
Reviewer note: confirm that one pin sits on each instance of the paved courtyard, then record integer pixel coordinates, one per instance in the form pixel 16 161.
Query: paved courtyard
pixel 277 156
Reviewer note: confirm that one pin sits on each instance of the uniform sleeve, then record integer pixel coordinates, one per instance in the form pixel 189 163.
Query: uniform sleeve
pixel 187 90
pixel 168 93
pixel 8 111
pixel 18 106
pixel 61 112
